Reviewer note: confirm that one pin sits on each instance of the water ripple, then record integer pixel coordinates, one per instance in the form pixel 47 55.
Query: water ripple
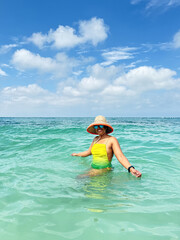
pixel 42 198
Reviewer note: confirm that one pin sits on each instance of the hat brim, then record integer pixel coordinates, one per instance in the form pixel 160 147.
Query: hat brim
pixel 91 129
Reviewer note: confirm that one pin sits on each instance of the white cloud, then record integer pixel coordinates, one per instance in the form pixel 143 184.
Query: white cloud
pixel 175 43
pixel 133 83
pixel 158 3
pixel 38 39
pixel 24 60
pixel 32 100
pixel 164 4
pixel 176 40
pixel 5 65
pixel 99 77
pixel 6 48
pixel 64 37
pixel 146 78
pixel 2 73
pixel 110 93
pixel 92 31
pixel 91 84
pixel 33 95
pixel 60 66
pixel 87 87
pixel 117 54
pixel 117 91
pixel 70 91
pixel 101 84
pixel 135 1
pixel 106 73
pixel 32 92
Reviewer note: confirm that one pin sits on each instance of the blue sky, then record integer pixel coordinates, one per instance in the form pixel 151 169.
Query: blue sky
pixel 85 58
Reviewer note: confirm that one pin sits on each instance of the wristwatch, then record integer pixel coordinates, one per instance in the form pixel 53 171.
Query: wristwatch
pixel 130 168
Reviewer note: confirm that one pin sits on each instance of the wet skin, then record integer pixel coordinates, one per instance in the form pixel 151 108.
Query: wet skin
pixel 112 147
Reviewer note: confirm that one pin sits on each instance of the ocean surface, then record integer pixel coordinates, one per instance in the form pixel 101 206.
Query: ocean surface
pixel 41 196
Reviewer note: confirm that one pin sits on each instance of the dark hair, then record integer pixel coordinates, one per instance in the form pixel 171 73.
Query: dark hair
pixel 105 127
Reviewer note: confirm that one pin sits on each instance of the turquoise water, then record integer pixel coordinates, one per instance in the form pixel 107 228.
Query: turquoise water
pixel 42 198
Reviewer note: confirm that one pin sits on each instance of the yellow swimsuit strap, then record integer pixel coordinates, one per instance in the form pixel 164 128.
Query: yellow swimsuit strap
pixel 100 143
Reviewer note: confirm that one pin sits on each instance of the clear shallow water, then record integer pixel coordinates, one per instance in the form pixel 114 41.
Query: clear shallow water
pixel 42 198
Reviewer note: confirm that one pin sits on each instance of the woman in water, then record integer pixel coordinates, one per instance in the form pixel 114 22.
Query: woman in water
pixel 103 148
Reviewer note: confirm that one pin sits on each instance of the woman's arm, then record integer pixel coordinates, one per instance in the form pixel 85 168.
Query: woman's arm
pixel 85 153
pixel 82 154
pixel 122 159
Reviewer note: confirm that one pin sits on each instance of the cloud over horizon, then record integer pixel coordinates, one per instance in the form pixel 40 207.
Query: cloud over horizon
pixel 111 90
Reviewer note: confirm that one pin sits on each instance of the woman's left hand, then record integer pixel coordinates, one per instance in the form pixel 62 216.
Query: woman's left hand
pixel 135 172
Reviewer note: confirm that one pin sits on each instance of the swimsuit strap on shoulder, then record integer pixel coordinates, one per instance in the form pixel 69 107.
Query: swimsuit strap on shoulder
pixel 96 140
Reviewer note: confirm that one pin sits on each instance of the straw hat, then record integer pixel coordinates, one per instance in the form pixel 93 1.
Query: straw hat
pixel 99 120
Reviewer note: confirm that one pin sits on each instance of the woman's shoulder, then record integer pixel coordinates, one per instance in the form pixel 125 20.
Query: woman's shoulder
pixel 113 139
